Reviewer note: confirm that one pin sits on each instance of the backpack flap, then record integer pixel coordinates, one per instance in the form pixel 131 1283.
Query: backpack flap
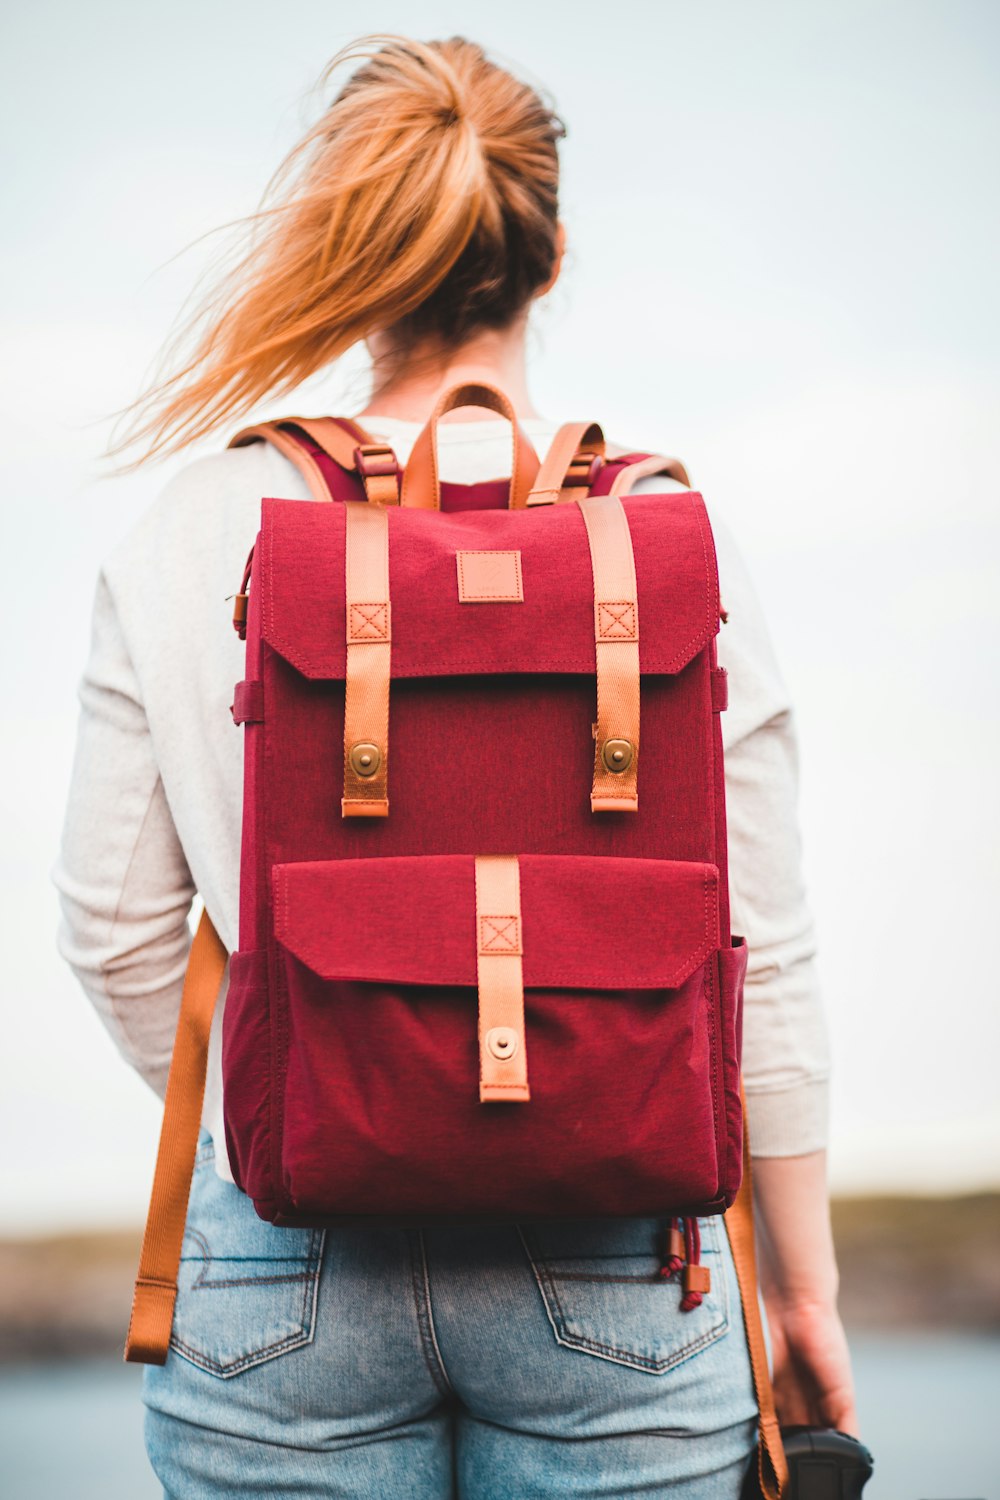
pixel 546 626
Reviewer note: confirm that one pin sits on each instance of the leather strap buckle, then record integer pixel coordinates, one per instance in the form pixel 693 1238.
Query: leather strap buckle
pixel 583 471
pixel 379 470
pixel 375 461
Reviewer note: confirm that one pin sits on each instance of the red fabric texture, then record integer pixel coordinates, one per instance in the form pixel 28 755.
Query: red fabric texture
pixel 481 765
pixel 350 1052
pixel 493 494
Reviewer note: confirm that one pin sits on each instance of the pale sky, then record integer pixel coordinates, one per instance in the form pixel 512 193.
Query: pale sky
pixel 783 226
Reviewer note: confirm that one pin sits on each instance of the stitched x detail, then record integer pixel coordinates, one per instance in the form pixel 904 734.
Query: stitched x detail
pixel 369 622
pixel 616 620
pixel 499 934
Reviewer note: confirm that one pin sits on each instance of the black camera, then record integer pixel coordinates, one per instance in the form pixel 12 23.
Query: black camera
pixel 823 1464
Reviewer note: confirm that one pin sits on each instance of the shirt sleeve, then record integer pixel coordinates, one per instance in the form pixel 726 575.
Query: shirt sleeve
pixel 124 885
pixel 785 1042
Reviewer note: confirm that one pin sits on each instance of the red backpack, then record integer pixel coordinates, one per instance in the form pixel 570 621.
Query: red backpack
pixel 485 967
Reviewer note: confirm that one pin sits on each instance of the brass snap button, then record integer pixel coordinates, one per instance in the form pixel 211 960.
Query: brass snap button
pixel 502 1042
pixel 617 755
pixel 365 759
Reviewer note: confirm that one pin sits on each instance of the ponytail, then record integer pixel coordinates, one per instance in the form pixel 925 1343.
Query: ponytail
pixel 424 201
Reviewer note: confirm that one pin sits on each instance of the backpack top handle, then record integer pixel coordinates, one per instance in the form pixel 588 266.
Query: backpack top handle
pixel 421 481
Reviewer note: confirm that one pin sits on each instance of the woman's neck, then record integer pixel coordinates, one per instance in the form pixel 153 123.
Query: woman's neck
pixel 408 389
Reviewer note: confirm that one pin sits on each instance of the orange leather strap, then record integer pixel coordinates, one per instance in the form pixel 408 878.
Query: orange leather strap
pixel 337 438
pixel 350 446
pixel 772 1466
pixel 575 445
pixel 271 432
pixel 341 439
pixel 156 1284
pixel 369 651
pixel 654 464
pixel 421 484
pixel 503 1059
pixel 616 632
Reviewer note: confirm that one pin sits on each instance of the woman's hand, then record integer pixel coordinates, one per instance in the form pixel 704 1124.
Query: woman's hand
pixel 811 1366
pixel 798 1277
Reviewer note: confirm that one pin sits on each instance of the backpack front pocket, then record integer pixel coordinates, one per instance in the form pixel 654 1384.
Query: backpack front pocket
pixel 247 1291
pixel 380 1039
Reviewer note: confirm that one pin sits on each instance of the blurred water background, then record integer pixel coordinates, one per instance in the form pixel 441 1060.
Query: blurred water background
pixel 929 1404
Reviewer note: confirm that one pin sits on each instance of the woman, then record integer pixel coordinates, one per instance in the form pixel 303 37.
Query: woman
pixel 420 216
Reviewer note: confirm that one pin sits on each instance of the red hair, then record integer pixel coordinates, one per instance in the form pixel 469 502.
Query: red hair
pixel 424 201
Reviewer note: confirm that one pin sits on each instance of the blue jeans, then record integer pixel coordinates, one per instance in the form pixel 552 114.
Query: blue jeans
pixel 491 1363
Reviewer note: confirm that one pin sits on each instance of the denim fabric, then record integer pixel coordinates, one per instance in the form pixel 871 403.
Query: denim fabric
pixel 470 1363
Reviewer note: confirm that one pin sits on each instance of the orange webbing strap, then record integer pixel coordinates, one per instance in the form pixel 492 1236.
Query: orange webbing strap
pixel 369 662
pixel 503 1061
pixel 655 464
pixel 616 632
pixel 574 442
pixel 772 1466
pixel 156 1284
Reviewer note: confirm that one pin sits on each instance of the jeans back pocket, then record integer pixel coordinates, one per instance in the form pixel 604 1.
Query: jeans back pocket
pixel 604 1295
pixel 247 1291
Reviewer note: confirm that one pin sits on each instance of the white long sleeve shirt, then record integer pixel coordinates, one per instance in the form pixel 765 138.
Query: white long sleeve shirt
pixel 154 810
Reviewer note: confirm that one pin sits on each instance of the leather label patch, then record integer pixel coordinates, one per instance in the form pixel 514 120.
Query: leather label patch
pixel 489 577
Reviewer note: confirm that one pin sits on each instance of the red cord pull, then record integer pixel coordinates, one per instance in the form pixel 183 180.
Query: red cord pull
pixel 696 1281
pixel 673 1249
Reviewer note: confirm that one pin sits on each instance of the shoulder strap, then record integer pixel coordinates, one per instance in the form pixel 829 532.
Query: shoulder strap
pixel 573 458
pixel 576 458
pixel 323 448
pixel 655 463
pixel 159 1260
pixel 772 1466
